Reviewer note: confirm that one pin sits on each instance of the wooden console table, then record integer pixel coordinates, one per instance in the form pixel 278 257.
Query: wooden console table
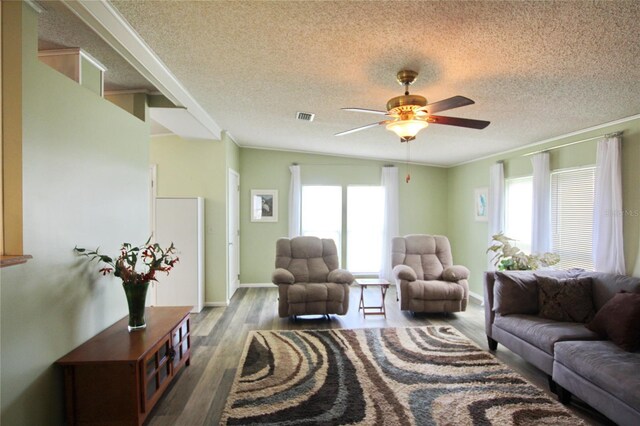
pixel 116 377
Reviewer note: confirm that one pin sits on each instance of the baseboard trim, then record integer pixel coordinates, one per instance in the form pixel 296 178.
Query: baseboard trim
pixel 477 298
pixel 256 285
pixel 216 304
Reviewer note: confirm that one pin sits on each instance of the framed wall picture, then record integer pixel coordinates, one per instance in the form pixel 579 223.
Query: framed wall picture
pixel 264 205
pixel 481 204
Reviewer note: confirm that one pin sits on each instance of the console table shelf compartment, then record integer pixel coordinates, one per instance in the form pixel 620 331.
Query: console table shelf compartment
pixel 116 377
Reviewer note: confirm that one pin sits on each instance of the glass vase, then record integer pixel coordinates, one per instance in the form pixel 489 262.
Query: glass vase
pixel 136 298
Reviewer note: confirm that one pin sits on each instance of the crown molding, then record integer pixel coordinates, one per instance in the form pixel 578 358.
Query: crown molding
pixel 396 162
pixel 553 139
pixel 35 6
pixel 112 27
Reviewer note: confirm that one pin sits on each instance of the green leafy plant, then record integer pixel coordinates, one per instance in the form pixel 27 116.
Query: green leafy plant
pixel 150 258
pixel 510 258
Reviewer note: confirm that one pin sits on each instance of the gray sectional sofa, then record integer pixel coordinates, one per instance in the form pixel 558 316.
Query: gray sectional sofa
pixel 577 360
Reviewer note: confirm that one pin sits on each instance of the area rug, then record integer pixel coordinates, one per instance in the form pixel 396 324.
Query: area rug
pixel 389 376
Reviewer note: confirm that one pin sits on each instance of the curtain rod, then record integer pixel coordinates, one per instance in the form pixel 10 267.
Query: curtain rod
pixel 607 135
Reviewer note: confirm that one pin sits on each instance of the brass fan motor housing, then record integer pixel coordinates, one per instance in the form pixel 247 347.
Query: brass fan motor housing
pixel 406 77
pixel 406 100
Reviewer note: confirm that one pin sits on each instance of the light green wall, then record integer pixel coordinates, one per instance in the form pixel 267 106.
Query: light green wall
pixel 196 168
pixel 90 76
pixel 85 182
pixel 469 239
pixel 134 103
pixel 422 202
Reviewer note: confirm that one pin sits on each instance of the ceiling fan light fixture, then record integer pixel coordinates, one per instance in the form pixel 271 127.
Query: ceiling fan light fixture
pixel 407 129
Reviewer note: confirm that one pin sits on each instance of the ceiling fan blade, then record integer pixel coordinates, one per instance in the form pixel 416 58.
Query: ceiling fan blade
pixel 445 104
pixel 357 129
pixel 460 122
pixel 370 111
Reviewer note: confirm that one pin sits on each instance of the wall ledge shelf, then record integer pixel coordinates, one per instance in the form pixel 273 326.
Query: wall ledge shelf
pixel 14 260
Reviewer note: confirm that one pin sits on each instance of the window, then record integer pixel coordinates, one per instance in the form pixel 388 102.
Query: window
pixel 365 222
pixel 322 213
pixel 518 211
pixel 572 195
pixel 322 217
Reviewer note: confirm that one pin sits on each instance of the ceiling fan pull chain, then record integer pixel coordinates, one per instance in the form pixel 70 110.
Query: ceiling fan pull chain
pixel 408 178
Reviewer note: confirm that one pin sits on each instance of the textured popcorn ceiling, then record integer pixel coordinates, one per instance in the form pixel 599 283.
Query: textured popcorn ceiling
pixel 59 28
pixel 536 70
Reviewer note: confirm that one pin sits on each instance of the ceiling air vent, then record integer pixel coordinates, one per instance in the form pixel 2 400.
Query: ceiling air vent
pixel 305 116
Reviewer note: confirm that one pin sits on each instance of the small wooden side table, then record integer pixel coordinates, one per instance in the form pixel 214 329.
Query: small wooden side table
pixel 372 282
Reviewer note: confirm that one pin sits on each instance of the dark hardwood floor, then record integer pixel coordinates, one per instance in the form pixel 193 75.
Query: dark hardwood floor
pixel 198 395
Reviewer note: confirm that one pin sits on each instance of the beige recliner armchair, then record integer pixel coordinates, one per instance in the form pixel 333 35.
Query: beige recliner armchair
pixel 426 279
pixel 308 279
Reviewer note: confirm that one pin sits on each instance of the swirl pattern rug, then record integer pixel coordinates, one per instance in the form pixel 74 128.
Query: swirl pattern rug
pixel 393 376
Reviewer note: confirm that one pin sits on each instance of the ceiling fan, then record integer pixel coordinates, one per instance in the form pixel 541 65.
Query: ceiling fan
pixel 411 113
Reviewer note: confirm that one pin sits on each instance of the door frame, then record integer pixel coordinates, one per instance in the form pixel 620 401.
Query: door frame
pixel 231 289
pixel 153 194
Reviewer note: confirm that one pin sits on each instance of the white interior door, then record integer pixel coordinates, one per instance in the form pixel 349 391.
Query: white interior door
pixel 152 297
pixel 233 233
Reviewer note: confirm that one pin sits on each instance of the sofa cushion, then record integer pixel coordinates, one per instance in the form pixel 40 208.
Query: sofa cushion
pixel 619 320
pixel 605 286
pixel 515 293
pixel 542 332
pixel 566 299
pixel 435 290
pixel 605 365
pixel 315 292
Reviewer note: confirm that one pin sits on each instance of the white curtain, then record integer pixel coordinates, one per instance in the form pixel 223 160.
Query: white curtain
pixel 541 218
pixel 295 202
pixel 496 204
pixel 608 250
pixel 391 227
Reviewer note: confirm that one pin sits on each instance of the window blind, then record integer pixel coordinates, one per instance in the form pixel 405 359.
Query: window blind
pixel 572 195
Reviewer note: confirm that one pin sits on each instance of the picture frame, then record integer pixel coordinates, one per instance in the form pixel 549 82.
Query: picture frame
pixel 264 205
pixel 481 204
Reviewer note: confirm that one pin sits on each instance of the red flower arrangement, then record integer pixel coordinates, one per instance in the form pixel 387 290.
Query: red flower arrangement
pixel 151 256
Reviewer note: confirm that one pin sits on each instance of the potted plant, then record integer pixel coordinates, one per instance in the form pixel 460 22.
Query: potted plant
pixel 136 266
pixel 510 258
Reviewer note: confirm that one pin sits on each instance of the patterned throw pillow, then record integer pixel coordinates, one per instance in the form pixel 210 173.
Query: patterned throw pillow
pixel 567 300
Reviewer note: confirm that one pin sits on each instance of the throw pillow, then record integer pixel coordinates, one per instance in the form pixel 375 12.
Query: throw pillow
pixel 619 321
pixel 567 300
pixel 515 293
